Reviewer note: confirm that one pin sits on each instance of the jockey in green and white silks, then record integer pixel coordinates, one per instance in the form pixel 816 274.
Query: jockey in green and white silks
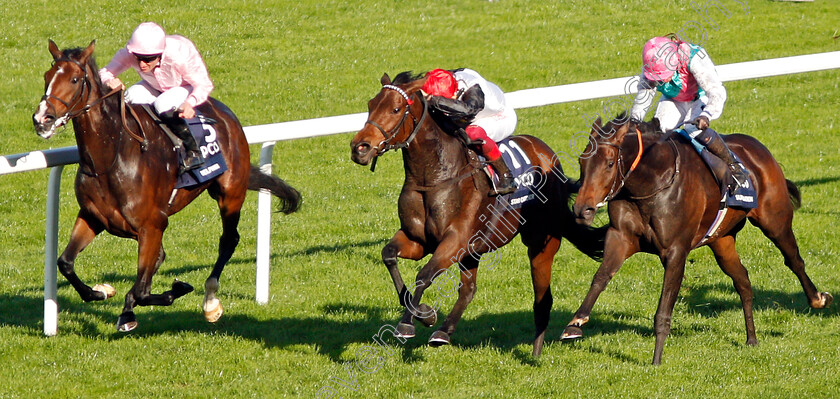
pixel 692 95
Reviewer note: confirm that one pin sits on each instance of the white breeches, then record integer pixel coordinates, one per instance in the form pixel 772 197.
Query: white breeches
pixel 498 127
pixel 166 102
pixel 673 114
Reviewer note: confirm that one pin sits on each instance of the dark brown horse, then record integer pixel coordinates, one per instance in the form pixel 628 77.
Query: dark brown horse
pixel 445 211
pixel 125 182
pixel 666 205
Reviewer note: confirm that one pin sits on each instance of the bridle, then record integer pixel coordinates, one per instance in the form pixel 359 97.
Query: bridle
pixel 620 178
pixel 390 135
pixel 81 96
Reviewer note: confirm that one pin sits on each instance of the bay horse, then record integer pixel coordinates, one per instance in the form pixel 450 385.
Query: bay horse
pixel 444 208
pixel 126 179
pixel 663 200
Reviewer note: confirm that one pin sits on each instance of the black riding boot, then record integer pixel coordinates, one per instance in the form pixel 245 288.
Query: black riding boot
pixel 506 183
pixel 193 158
pixel 715 144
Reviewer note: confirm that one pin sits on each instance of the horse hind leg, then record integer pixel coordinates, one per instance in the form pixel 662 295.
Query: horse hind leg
pixel 229 207
pixel 82 235
pixel 781 234
pixel 541 260
pixel 729 261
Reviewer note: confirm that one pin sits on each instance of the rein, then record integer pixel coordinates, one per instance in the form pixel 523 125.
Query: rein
pixel 81 96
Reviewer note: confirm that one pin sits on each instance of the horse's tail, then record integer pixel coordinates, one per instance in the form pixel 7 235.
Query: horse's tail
pixel 589 240
pixel 794 194
pixel 289 197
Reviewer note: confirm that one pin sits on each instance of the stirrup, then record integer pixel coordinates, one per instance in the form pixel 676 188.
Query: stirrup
pixel 503 189
pixel 191 162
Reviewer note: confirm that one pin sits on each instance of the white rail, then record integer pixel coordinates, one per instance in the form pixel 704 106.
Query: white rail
pixel 268 134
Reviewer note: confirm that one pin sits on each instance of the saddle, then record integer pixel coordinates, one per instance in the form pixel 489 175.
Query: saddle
pixel 202 130
pixel 745 196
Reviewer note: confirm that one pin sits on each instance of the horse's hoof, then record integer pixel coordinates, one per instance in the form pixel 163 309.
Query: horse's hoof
pixel 439 338
pixel 106 290
pixel 430 320
pixel 213 311
pixel 180 288
pixel 572 332
pixel 405 330
pixel 826 300
pixel 126 322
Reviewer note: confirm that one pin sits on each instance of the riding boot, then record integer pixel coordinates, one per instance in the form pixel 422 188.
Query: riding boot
pixel 715 144
pixel 193 158
pixel 506 184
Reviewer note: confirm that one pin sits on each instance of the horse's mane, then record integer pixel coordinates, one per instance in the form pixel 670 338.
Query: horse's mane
pixel 646 127
pixel 407 77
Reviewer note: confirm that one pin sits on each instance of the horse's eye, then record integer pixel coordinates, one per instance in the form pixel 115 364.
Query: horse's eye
pixel 396 110
pixel 610 164
pixel 74 80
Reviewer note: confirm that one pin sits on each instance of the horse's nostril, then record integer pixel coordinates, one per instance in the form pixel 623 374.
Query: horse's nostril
pixel 362 148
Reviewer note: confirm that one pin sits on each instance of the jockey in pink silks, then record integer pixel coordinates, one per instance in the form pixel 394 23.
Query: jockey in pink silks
pixel 468 99
pixel 692 95
pixel 175 80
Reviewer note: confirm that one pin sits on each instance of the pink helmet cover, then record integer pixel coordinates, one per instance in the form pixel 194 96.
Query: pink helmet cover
pixel 661 57
pixel 148 39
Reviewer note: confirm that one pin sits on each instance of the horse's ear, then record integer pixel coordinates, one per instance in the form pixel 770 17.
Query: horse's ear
pixel 386 80
pixel 596 126
pixel 621 132
pixel 83 58
pixel 56 53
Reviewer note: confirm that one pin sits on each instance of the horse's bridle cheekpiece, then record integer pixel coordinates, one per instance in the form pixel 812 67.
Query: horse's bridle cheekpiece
pixel 386 145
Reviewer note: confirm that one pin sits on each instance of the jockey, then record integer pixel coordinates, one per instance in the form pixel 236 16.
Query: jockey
pixel 692 94
pixel 174 80
pixel 469 99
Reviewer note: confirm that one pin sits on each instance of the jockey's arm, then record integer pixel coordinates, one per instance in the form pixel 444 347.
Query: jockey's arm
pixel 704 72
pixel 465 108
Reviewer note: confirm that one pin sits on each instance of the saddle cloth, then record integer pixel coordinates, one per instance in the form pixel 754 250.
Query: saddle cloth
pixel 523 171
pixel 214 162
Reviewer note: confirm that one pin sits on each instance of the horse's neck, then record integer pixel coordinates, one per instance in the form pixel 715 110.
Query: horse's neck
pixel 655 168
pixel 433 157
pixel 98 130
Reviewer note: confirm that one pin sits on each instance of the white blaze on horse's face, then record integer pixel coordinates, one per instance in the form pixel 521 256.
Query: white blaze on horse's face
pixel 44 125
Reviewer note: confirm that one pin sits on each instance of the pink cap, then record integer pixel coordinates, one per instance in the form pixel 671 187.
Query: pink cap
pixel 660 57
pixel 148 39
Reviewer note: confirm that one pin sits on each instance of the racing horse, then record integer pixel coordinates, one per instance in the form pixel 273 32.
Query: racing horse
pixel 444 208
pixel 126 179
pixel 663 200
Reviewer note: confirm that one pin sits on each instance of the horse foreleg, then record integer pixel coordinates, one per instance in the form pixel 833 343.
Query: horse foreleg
pixel 83 234
pixel 401 246
pixel 541 260
pixel 617 248
pixel 674 263
pixel 468 268
pixel 442 258
pixel 729 261
pixel 150 257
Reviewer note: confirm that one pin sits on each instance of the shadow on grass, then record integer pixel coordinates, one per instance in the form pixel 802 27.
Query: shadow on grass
pixel 342 325
pixel 815 182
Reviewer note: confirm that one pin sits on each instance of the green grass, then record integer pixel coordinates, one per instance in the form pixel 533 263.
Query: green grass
pixel 275 61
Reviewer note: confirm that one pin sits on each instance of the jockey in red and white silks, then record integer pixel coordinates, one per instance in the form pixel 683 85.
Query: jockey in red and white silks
pixel 478 106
